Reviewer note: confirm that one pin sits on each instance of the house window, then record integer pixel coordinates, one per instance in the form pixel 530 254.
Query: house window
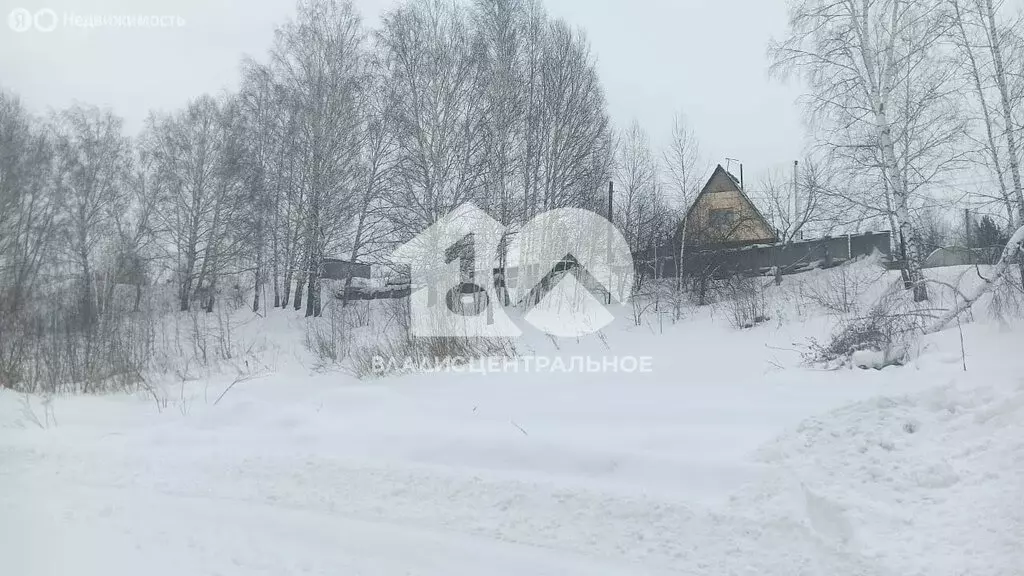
pixel 721 220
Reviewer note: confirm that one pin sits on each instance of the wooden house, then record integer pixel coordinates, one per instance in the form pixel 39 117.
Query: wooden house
pixel 722 216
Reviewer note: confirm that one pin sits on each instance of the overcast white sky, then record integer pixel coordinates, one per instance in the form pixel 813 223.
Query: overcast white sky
pixel 703 57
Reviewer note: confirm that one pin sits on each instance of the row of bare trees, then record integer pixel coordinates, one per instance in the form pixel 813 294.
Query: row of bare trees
pixel 341 142
pixel 377 135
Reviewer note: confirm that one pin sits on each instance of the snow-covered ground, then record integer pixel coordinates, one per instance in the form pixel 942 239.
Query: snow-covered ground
pixel 727 457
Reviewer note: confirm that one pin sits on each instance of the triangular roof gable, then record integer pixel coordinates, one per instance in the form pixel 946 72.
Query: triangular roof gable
pixel 719 171
pixel 735 185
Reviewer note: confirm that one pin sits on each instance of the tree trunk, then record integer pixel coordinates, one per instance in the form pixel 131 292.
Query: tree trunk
pixel 680 268
pixel 880 83
pixel 313 283
pixel 211 296
pixel 300 283
pixel 356 245
pixel 184 293
pixel 313 296
pixel 275 272
pixel 88 302
pixel 912 262
pixel 257 284
pixel 1004 97
pixel 108 293
pixel 287 292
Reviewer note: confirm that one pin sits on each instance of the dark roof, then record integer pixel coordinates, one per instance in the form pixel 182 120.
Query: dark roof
pixel 342 260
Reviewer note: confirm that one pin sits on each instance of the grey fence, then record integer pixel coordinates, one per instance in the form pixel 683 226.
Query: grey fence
pixel 790 258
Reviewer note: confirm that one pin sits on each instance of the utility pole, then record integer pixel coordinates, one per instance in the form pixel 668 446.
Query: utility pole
pixel 611 194
pixel 967 228
pixel 797 232
pixel 728 167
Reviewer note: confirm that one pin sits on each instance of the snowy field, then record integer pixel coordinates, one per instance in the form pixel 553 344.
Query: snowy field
pixel 729 457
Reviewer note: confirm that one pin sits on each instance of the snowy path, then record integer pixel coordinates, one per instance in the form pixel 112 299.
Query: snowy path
pixel 514 475
pixel 281 515
pixel 124 531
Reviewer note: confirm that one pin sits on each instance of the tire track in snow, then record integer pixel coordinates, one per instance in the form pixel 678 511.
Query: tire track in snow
pixel 654 533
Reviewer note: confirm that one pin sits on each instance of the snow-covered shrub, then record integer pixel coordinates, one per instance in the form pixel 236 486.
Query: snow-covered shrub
pixel 325 343
pixel 839 290
pixel 880 338
pixel 240 296
pixel 52 350
pixel 677 298
pixel 199 335
pixel 647 298
pixel 396 350
pixel 327 337
pixel 359 313
pixel 14 348
pixel 746 304
pixel 137 334
pixel 212 334
pixel 1007 299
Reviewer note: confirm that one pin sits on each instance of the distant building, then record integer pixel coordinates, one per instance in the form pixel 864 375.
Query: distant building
pixel 722 216
pixel 961 256
pixel 727 234
pixel 335 269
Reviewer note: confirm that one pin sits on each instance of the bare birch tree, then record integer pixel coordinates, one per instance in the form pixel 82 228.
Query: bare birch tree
pixel 794 203
pixel 260 101
pixel 435 65
pixel 685 170
pixel 28 202
pixel 574 126
pixel 965 37
pixel 995 44
pixel 373 232
pixel 93 159
pixel 319 59
pixel 501 24
pixel 636 173
pixel 858 58
pixel 198 194
pixel 985 44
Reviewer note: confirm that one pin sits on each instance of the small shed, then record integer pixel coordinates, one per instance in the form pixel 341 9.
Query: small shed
pixel 961 256
pixel 337 269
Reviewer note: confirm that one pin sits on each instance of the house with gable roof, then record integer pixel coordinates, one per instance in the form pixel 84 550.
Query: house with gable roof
pixel 723 216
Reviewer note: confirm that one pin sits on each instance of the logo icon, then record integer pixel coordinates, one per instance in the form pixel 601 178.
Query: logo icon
pixel 563 264
pixel 20 20
pixel 45 20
